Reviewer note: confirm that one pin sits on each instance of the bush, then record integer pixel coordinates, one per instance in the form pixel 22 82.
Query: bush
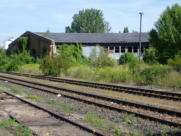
pixel 176 62
pixel 128 58
pixel 154 74
pixel 50 66
pixel 102 60
pixel 74 52
pixel 150 56
pixel 3 60
pixel 16 60
pixel 173 79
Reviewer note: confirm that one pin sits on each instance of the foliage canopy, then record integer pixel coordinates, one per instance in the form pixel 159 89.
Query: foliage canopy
pixel 88 21
pixel 125 30
pixel 166 37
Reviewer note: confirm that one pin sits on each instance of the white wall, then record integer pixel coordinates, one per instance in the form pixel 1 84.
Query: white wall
pixel 7 42
pixel 86 50
pixel 116 56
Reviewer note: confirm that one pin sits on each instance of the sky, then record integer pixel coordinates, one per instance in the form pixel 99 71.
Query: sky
pixel 18 16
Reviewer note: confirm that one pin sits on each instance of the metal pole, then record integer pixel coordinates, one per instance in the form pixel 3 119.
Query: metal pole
pixel 141 13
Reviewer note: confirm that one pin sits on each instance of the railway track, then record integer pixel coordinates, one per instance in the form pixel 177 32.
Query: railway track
pixel 158 114
pixel 19 122
pixel 42 117
pixel 131 90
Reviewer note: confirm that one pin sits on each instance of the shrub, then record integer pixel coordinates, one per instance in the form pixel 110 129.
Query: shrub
pixel 3 60
pixel 173 79
pixel 50 66
pixel 128 58
pixel 150 56
pixel 176 62
pixel 16 60
pixel 154 74
pixel 102 60
pixel 74 52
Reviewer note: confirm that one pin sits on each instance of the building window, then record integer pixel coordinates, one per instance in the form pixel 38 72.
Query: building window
pixel 117 49
pixel 44 51
pixel 123 49
pixel 129 49
pixel 142 50
pixel 135 49
pixel 33 51
pixel 111 48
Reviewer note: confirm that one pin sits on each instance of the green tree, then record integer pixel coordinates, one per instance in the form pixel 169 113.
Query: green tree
pixel 47 33
pixel 166 37
pixel 89 21
pixel 150 56
pixel 125 30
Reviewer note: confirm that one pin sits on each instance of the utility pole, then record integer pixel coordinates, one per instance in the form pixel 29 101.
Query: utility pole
pixel 141 14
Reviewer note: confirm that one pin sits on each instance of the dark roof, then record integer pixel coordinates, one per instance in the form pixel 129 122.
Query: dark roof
pixel 96 37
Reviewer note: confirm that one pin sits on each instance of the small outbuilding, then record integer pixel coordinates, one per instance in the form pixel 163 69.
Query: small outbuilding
pixel 41 44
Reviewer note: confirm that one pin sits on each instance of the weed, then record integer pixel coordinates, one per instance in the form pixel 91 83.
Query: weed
pixel 7 124
pixel 127 120
pixel 97 121
pixel 117 131
pixel 163 133
pixel 22 130
pixel 18 129
pixel 16 90
pixel 1 91
pixel 31 96
pixel 59 106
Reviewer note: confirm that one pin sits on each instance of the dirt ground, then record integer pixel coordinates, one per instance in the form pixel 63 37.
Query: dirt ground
pixel 40 122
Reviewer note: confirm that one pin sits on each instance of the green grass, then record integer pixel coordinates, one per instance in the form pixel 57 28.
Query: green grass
pixel 98 121
pixel 31 96
pixel 18 129
pixel 16 91
pixel 1 91
pixel 154 75
pixel 7 124
pixel 30 68
pixel 59 106
pixel 127 120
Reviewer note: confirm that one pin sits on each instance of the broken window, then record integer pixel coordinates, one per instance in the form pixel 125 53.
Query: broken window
pixel 142 49
pixel 123 49
pixel 129 49
pixel 117 49
pixel 135 49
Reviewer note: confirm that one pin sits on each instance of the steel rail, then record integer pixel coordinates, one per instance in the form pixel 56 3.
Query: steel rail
pixel 170 112
pixel 55 115
pixel 131 90
pixel 19 122
pixel 118 101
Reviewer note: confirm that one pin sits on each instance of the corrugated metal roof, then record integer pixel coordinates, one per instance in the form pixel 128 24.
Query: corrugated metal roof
pixel 96 37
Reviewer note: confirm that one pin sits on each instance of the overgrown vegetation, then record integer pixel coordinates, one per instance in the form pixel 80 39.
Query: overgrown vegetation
pixel 98 121
pixel 68 55
pixel 101 59
pixel 17 129
pixel 16 59
pixel 161 65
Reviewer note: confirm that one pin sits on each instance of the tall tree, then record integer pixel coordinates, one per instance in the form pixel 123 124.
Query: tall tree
pixel 125 30
pixel 88 21
pixel 47 33
pixel 166 37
